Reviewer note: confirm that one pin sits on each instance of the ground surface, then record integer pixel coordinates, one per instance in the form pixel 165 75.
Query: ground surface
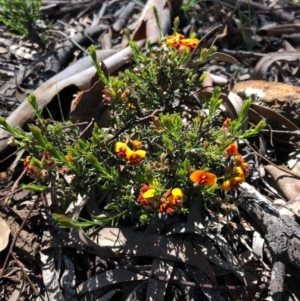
pixel 233 252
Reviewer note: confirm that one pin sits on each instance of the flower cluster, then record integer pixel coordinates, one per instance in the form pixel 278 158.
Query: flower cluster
pixel 39 168
pixel 238 169
pixel 167 203
pixel 179 41
pixel 133 156
pixel 172 200
pixel 31 169
pixel 107 96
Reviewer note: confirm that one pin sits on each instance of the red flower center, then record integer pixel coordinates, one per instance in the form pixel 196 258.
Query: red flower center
pixel 122 152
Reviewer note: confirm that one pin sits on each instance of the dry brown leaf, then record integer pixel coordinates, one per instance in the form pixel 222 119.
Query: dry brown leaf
pixel 156 290
pixel 264 63
pixel 128 242
pixel 78 74
pixel 293 204
pixel 88 104
pixel 211 295
pixel 107 278
pixel 223 57
pixel 233 104
pixel 276 29
pixel 256 113
pixel 287 184
pixel 147 28
pixel 4 234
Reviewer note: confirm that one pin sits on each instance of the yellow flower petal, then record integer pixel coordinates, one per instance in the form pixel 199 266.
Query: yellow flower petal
pixel 238 170
pixel 135 156
pixel 226 185
pixel 239 179
pixel 190 43
pixel 120 146
pixel 176 192
pixel 141 153
pixel 150 193
pixel 232 183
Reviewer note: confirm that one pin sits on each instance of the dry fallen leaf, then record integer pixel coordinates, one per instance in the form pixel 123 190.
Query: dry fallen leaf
pixel 287 184
pixel 88 104
pixel 265 62
pixel 128 242
pixel 147 28
pixel 293 205
pixel 4 234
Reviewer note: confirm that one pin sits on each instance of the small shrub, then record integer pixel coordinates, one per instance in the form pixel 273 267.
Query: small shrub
pixel 165 148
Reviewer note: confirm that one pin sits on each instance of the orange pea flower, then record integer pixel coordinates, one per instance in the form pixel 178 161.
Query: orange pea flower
pixel 174 40
pixel 178 41
pixel 202 177
pixel 241 163
pixel 136 144
pixel 27 161
pixel 190 43
pixel 227 122
pixel 232 150
pixel 121 149
pixel 69 157
pixel 147 196
pixel 234 182
pixel 173 200
pixel 135 157
pixel 31 170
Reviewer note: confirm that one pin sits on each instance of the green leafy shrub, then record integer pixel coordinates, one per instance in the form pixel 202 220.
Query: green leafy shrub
pixel 166 146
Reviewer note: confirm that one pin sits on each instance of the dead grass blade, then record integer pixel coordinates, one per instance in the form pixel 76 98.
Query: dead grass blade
pixel 210 252
pixel 68 280
pixel 277 13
